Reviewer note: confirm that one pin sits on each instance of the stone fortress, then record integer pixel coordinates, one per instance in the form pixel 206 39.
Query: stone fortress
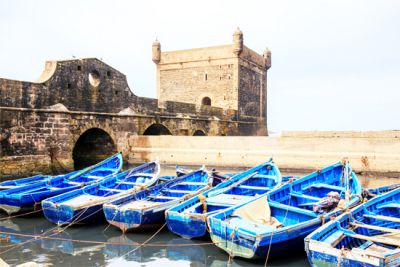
pixel 81 110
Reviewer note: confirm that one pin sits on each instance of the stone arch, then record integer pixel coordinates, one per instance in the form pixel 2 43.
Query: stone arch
pixel 91 147
pixel 199 133
pixel 157 129
pixel 206 101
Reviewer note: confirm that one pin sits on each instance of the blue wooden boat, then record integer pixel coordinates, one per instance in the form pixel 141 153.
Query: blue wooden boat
pixel 216 176
pixel 29 197
pixel 368 235
pixel 85 205
pixel 188 219
pixel 372 192
pixel 277 222
pixel 23 181
pixel 146 208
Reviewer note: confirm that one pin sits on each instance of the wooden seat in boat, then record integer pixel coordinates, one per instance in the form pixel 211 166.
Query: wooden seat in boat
pixel 252 187
pixel 327 186
pixel 193 183
pixel 163 197
pixel 382 218
pixel 94 177
pixel 113 190
pixel 228 199
pixel 389 205
pixel 177 191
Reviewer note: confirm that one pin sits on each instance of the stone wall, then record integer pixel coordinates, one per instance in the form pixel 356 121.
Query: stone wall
pixel 66 137
pixel 252 85
pixel 80 85
pixel 376 153
pixel 14 166
pixel 192 84
pixel 230 77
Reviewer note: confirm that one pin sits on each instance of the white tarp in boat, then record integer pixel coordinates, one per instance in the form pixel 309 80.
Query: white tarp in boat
pixel 258 212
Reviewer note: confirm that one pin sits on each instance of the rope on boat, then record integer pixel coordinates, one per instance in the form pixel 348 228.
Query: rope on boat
pixel 270 241
pixel 56 227
pixel 203 200
pixel 144 244
pixel 19 215
pixel 28 241
pixel 36 237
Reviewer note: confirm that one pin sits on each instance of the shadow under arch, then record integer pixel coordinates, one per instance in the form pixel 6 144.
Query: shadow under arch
pixel 157 129
pixel 92 146
pixel 199 133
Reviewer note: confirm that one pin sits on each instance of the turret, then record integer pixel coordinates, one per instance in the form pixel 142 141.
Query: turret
pixel 237 42
pixel 156 51
pixel 267 58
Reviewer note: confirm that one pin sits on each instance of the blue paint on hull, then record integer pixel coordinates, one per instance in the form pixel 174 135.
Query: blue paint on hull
pixel 65 215
pixel 132 219
pixel 189 228
pixel 124 214
pixel 318 259
pixel 29 196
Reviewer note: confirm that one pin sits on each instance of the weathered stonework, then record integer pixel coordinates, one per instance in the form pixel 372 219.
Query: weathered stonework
pixel 229 77
pixel 83 109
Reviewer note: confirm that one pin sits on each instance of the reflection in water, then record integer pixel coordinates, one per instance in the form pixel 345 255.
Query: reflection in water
pixel 165 249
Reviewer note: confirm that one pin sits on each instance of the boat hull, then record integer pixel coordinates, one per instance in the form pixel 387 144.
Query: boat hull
pixel 238 244
pixel 86 204
pixel 318 259
pixel 364 236
pixel 131 220
pixel 27 203
pixel 251 250
pixel 187 226
pixel 63 215
pixel 28 197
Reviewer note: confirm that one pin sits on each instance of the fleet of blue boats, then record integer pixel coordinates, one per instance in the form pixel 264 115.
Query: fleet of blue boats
pixel 189 219
pixel 256 213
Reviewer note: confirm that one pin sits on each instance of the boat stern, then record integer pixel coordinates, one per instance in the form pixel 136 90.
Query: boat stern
pixel 123 219
pixel 228 240
pixel 187 225
pixel 56 213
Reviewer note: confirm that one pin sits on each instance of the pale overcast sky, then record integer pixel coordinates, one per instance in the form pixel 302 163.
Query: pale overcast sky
pixel 335 64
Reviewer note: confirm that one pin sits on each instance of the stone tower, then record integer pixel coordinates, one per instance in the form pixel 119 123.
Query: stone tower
pixel 228 76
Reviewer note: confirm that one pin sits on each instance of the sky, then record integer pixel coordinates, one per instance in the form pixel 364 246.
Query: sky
pixel 335 64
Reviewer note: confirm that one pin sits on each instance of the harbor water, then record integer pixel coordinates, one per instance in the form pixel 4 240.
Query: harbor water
pixel 82 245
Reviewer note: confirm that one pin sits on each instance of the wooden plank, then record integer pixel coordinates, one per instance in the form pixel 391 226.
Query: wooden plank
pixel 334 238
pixel 377 239
pixel 382 218
pixel 178 191
pixel 379 228
pixel 390 205
pixel 252 187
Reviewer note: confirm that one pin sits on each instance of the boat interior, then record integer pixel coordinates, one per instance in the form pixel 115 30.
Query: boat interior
pixel 239 192
pixel 374 228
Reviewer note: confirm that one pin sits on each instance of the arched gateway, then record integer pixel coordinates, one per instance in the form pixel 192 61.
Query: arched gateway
pixel 92 146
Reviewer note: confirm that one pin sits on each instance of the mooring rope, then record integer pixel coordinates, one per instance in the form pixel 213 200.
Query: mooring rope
pixel 144 244
pixel 19 215
pixel 270 241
